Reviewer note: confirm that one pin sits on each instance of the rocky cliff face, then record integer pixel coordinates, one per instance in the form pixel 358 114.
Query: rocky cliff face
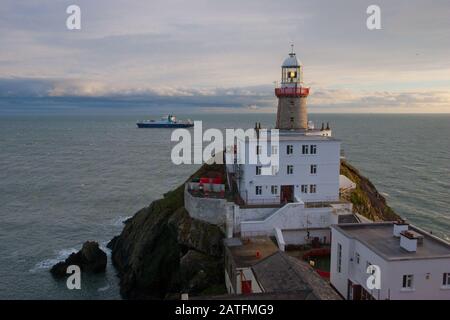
pixel 365 198
pixel 163 251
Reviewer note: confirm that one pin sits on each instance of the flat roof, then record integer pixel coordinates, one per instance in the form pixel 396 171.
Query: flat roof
pixel 282 273
pixel 244 252
pixel 297 135
pixel 378 237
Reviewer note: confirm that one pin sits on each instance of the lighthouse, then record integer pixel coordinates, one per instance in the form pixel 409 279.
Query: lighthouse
pixel 295 198
pixel 292 113
pixel 308 156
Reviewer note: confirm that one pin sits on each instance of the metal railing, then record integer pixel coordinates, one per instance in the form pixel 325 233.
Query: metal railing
pixel 298 91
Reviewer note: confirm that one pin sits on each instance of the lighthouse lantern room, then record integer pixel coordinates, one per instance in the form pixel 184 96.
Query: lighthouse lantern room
pixel 291 71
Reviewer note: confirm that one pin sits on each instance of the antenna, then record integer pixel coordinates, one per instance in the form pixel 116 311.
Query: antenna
pixel 292 48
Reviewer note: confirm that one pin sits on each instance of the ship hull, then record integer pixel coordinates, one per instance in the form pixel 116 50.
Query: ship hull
pixel 164 125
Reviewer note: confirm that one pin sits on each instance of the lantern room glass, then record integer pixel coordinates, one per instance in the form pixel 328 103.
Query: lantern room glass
pixel 290 75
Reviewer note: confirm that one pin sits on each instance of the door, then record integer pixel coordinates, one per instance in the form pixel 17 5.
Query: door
pixel 246 286
pixel 287 194
pixel 354 291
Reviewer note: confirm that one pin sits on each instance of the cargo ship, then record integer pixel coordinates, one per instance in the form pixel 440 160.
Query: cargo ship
pixel 169 121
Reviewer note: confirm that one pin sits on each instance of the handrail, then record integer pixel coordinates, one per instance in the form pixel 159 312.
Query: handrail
pixel 289 204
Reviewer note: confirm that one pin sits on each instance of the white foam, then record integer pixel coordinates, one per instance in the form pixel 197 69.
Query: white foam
pixel 61 255
pixel 103 246
pixel 103 288
pixel 118 222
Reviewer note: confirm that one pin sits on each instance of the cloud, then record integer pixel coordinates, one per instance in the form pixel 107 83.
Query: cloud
pixel 230 51
pixel 382 101
pixel 250 99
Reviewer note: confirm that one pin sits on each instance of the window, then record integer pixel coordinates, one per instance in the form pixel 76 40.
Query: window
pixel 258 170
pixel 357 257
pixel 408 281
pixel 274 170
pixel 339 257
pixel 290 169
pixel 305 149
pixel 274 149
pixel 313 149
pixel 304 188
pixel 312 188
pixel 313 169
pixel 289 149
pixel 258 190
pixel 258 149
pixel 274 189
pixel 446 279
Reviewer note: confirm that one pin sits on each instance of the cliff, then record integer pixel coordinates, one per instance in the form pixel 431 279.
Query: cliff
pixel 365 197
pixel 163 251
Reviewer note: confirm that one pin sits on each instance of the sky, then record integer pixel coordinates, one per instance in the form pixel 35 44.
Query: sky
pixel 226 55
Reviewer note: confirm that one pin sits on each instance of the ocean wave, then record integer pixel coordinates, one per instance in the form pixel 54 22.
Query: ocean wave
pixel 118 222
pixel 103 246
pixel 104 288
pixel 61 255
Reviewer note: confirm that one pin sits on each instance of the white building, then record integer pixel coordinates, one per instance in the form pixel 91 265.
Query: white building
pixel 299 195
pixel 413 263
pixel 308 170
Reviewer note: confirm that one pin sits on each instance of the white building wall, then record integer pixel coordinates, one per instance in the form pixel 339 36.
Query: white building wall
pixel 291 216
pixel 339 279
pixel 427 281
pixel 228 284
pixel 297 237
pixel 326 179
pixel 357 272
pixel 247 274
pixel 428 273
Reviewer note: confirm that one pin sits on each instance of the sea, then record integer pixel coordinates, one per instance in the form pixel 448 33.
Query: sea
pixel 68 177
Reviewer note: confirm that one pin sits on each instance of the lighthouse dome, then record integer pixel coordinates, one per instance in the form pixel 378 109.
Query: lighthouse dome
pixel 291 61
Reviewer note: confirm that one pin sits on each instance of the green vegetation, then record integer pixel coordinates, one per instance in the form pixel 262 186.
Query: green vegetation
pixel 365 198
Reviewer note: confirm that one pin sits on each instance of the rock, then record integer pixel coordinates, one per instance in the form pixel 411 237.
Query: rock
pixel 162 251
pixel 160 248
pixel 366 200
pixel 90 259
pixel 197 270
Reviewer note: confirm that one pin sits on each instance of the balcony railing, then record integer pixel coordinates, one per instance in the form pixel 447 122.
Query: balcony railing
pixel 292 92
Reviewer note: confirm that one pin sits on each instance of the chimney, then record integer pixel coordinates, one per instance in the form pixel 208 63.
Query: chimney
pixel 328 126
pixel 399 226
pixel 323 127
pixel 185 296
pixel 410 239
